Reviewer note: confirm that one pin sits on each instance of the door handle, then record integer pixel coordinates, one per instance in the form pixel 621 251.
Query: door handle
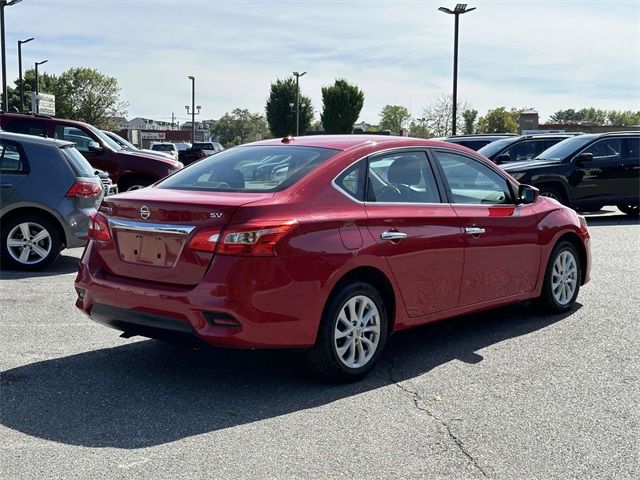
pixel 392 235
pixel 474 231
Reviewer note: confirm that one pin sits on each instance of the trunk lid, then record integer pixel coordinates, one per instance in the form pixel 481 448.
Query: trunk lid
pixel 151 228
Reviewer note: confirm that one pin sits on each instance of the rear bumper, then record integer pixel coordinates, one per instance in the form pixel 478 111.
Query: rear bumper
pixel 241 302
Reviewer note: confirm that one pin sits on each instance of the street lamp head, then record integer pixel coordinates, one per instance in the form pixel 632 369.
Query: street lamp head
pixel 42 62
pixel 186 107
pixel 13 2
pixel 298 74
pixel 191 77
pixel 458 10
pixel 21 42
pixel 446 10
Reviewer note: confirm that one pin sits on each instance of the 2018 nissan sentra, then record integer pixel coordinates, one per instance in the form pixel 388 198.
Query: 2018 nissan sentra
pixel 365 236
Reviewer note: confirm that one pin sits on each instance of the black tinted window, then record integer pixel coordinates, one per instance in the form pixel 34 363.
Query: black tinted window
pixel 631 148
pixel 352 180
pixel 80 165
pixel 605 150
pixel 75 135
pixel 28 127
pixel 12 159
pixel 249 169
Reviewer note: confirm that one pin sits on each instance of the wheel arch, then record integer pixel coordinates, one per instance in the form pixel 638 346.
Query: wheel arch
pixel 555 183
pixel 37 211
pixel 376 278
pixel 575 240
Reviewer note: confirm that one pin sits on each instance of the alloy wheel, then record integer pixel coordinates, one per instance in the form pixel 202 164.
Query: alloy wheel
pixel 564 277
pixel 357 331
pixel 29 243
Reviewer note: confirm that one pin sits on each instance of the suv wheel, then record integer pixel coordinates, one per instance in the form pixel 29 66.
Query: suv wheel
pixel 553 192
pixel 30 242
pixel 561 279
pixel 352 334
pixel 633 210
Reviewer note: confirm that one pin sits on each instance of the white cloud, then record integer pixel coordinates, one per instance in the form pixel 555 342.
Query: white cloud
pixel 547 55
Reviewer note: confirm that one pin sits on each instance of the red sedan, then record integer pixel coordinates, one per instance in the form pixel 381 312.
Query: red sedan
pixel 350 239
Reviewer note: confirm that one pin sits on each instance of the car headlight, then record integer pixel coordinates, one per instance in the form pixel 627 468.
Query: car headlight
pixel 518 175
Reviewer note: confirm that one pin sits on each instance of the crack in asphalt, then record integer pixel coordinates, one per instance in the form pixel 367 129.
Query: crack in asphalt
pixel 417 399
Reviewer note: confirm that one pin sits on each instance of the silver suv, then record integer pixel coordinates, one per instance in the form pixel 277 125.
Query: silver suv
pixel 48 190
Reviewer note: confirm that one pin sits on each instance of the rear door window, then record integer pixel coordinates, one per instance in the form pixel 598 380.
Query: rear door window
pixel 79 164
pixel 12 158
pixel 605 150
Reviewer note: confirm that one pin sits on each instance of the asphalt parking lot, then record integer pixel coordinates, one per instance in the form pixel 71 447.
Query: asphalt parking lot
pixel 503 394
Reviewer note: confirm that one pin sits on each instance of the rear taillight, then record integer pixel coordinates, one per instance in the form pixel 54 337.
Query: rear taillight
pixel 205 240
pixel 254 240
pixel 84 189
pixel 98 227
pixel 259 240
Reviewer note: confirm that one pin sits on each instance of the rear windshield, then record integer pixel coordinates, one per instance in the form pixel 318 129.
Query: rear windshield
pixel 164 147
pixel 208 146
pixel 80 165
pixel 249 169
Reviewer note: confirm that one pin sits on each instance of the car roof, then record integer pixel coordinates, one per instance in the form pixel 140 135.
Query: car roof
pixel 44 118
pixel 349 142
pixel 20 137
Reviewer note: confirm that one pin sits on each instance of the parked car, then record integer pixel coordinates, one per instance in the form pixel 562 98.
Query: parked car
pixel 366 235
pixel 129 170
pixel 191 155
pixel 478 140
pixel 209 148
pixel 48 191
pixel 108 186
pixel 588 171
pixel 521 147
pixel 127 145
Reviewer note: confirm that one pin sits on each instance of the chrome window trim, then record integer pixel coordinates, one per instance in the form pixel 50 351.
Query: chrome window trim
pixel 135 226
pixel 501 173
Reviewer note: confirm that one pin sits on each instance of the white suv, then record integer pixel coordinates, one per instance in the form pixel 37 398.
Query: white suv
pixel 165 147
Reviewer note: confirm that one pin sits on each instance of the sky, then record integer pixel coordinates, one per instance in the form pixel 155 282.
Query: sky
pixel 546 55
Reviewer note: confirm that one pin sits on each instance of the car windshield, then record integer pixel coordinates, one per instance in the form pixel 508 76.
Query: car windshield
pixel 118 139
pixel 494 147
pixel 565 148
pixel 249 169
pixel 112 144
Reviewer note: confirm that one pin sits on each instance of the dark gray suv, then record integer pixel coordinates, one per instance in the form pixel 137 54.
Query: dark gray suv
pixel 48 190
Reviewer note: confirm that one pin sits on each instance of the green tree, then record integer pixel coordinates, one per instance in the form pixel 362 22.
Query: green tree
pixel 418 128
pixel 499 120
pixel 341 106
pixel 591 115
pixel 281 113
pixel 82 94
pixel 394 118
pixel 438 116
pixel 625 118
pixel 240 126
pixel 469 116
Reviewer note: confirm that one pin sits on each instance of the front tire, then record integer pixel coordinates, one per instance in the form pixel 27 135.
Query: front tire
pixel 562 279
pixel 553 192
pixel 30 242
pixel 352 334
pixel 629 209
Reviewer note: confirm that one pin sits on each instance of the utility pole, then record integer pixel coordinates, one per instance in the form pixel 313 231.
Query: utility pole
pixel 456 12
pixel 37 87
pixel 5 100
pixel 193 108
pixel 173 120
pixel 20 42
pixel 298 75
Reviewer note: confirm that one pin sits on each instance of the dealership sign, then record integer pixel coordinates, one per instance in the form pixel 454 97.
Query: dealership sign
pixel 152 135
pixel 43 103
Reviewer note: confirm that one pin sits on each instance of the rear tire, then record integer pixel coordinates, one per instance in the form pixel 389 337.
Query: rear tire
pixel 553 192
pixel 29 242
pixel 561 279
pixel 352 334
pixel 630 209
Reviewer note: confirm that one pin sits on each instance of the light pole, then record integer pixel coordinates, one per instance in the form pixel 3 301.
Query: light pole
pixel 456 12
pixel 4 3
pixel 37 87
pixel 20 42
pixel 298 75
pixel 193 108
